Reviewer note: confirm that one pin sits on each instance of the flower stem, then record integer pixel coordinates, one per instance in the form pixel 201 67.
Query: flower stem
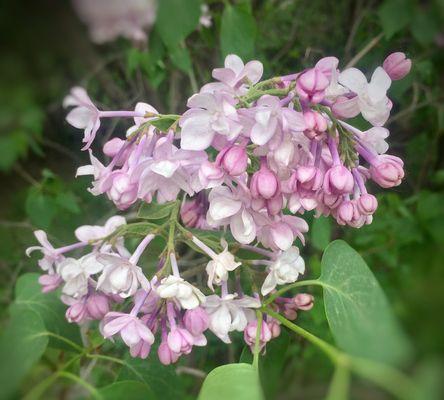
pixel 280 292
pixel 257 341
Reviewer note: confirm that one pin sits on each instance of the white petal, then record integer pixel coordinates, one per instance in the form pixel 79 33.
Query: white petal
pixel 353 79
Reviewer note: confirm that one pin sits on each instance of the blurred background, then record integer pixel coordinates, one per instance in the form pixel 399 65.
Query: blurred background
pixel 50 46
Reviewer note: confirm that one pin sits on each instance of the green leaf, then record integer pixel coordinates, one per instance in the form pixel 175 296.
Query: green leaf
pixel 357 310
pixel 424 27
pixel 128 390
pixel 163 123
pixel 155 210
pixel 40 208
pixel 176 19
pixel 68 201
pixel 21 346
pixel 162 379
pixel 321 232
pixel 29 297
pixel 232 381
pixel 238 31
pixel 181 58
pixel 394 16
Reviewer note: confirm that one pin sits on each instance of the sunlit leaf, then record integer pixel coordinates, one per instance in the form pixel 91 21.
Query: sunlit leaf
pixel 232 381
pixel 358 312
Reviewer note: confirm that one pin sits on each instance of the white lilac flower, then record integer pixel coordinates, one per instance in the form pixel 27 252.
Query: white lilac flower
pixel 229 313
pixel 76 274
pixel 174 287
pixel 220 264
pixel 229 208
pixel 371 97
pixel 285 269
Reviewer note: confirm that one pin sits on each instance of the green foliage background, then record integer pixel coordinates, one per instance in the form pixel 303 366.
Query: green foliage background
pixel 45 51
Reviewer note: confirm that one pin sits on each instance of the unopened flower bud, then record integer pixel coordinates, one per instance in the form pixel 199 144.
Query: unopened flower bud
pixel 387 171
pixel 264 183
pixel 397 65
pixel 367 204
pixel 345 212
pixel 77 312
pixel 250 334
pixel 166 355
pixel 311 85
pixel 310 177
pixel 304 301
pixel 233 159
pixel 122 192
pixel 50 283
pixel 275 204
pixel 180 340
pixel 315 123
pixel 338 180
pixel 196 321
pixel 140 350
pixel 97 306
pixel 274 327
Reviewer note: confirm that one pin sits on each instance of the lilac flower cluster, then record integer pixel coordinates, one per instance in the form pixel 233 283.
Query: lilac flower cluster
pixel 248 155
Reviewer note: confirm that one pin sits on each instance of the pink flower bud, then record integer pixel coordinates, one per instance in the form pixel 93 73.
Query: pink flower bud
pixel 316 125
pixel 180 340
pixel 196 321
pixel 77 312
pixel 250 334
pixel 304 301
pixel 338 180
pixel 387 171
pixel 289 311
pixel 274 327
pixel 233 159
pixel 113 146
pixel 97 306
pixel 311 85
pixel 140 350
pixel 264 183
pixel 345 212
pixel 50 283
pixel 190 213
pixel 166 355
pixel 310 177
pixel 397 65
pixel 275 204
pixel 367 204
pixel 122 192
pixel 211 174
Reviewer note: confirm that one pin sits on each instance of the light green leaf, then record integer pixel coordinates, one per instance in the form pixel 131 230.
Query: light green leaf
pixel 238 32
pixel 163 123
pixel 21 346
pixel 320 232
pixel 357 310
pixel 232 381
pixel 176 19
pixel 162 379
pixel 29 297
pixel 394 16
pixel 128 390
pixel 155 211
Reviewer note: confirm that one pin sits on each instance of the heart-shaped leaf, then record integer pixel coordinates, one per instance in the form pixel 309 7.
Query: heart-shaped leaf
pixel 357 310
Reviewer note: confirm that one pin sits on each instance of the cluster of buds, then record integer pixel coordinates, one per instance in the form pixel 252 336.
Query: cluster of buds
pixel 245 156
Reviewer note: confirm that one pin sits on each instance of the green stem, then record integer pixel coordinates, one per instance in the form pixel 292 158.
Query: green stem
pixel 285 289
pixel 340 384
pixel 333 353
pixel 62 339
pixel 257 341
pixel 91 389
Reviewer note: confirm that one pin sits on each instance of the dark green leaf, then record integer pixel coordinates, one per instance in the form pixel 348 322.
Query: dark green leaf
pixel 394 16
pixel 232 381
pixel 162 379
pixel 238 32
pixel 21 346
pixel 155 211
pixel 29 297
pixel 181 58
pixel 357 310
pixel 163 123
pixel 176 19
pixel 40 208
